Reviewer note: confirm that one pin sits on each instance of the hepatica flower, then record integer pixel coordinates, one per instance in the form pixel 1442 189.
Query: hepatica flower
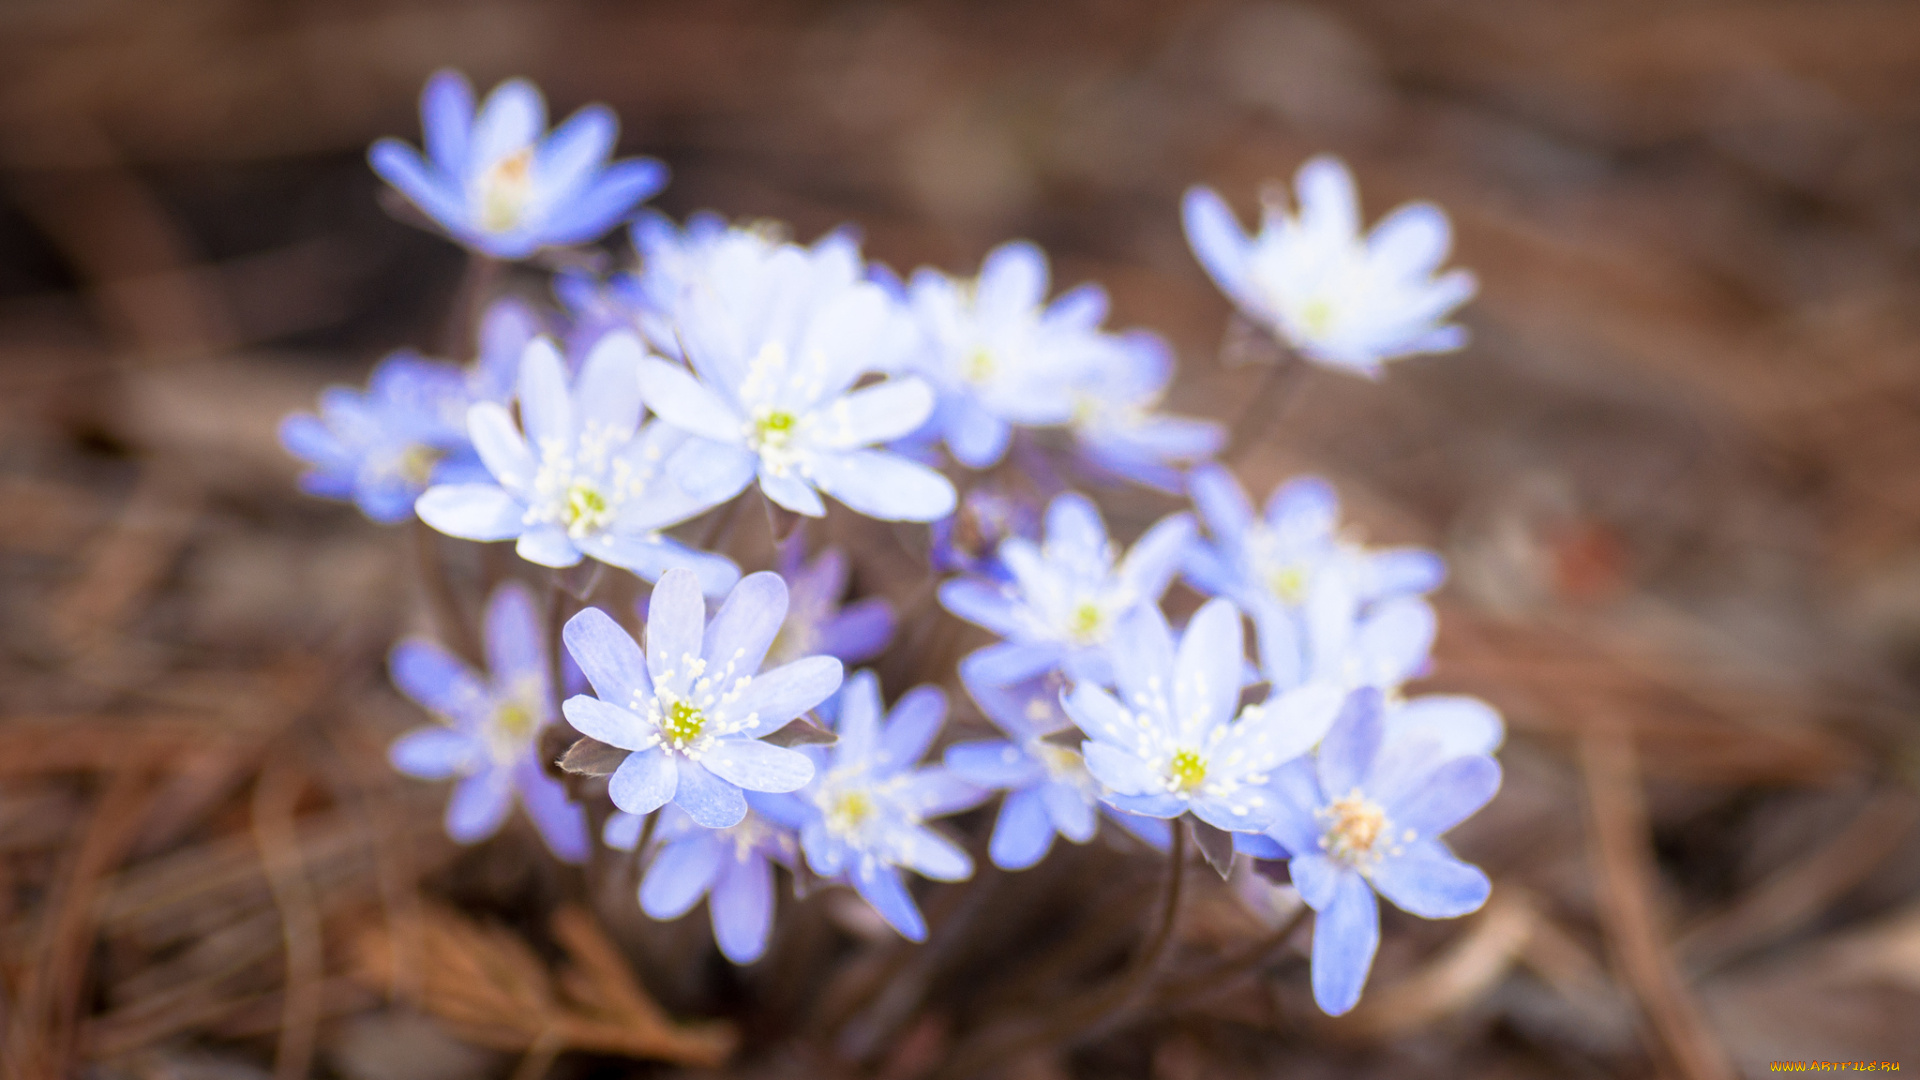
pixel 1049 791
pixel 869 801
pixel 777 338
pixel 1170 741
pixel 817 623
pixel 587 477
pixel 1065 596
pixel 998 354
pixel 1311 279
pixel 694 707
pixel 500 183
pixel 1365 817
pixel 488 736
pixel 1115 417
pixel 731 867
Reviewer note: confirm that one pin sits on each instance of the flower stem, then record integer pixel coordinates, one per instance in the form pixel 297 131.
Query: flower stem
pixel 449 616
pixel 1279 381
pixel 1095 1010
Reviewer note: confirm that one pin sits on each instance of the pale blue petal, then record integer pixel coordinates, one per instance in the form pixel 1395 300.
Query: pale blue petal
pixel 644 782
pixel 997 764
pixel 1207 667
pixel 567 158
pixel 1013 279
pixel 481 512
pixel 1143 655
pixel 858 723
pixel 1022 834
pixel 1156 833
pixel 546 411
pixel 931 855
pixel 758 766
pixel 885 486
pixel 1282 651
pixel 1296 792
pixel 510 118
pixel 1103 717
pixel 708 799
pixel 607 394
pixel 1216 239
pixel 676 617
pixel 622 830
pixel 982 603
pixel 651 555
pixel 609 723
pixel 515 642
pixel 1072 814
pixel 608 656
pixel 860 632
pixel 1284 727
pixel 1162 805
pixel 478 806
pixel 446 116
pixel 613 196
pixel 500 446
pixel 876 414
pixel 1317 877
pixel 1345 935
pixel 1154 558
pixel 402 166
pixel 1445 797
pixel 779 695
pixel 977 438
pixel 1457 725
pixel 745 626
pixel 741 908
pixel 935 792
pixel 436 753
pixel 1392 644
pixel 880 886
pixel 1410 242
pixel 561 822
pixel 1328 200
pixel 1121 771
pixel 1075 532
pixel 792 493
pixel 680 874
pixel 437 680
pixel 1304 509
pixel 1259 846
pixel 1400 571
pixel 548 545
pixel 678 398
pixel 1082 307
pixel 1222 502
pixel 912 725
pixel 1429 882
pixel 1347 752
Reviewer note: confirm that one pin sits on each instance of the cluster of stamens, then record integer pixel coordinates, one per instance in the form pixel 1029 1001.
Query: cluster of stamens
pixel 505 189
pixel 1358 831
pixel 690 723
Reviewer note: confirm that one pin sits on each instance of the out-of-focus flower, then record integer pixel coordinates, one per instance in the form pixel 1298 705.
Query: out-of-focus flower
pixel 816 623
pixel 1048 789
pixel 693 708
pixel 673 259
pixel 1325 606
pixel 998 354
pixel 500 184
pixel 1365 816
pixel 731 867
pixel 777 337
pixel 1115 422
pixel 1316 283
pixel 1170 743
pixel 587 478
pixel 1066 596
pixel 489 732
pixel 870 802
pixel 382 447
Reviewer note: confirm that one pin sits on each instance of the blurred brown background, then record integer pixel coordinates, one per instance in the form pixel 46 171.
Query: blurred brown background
pixel 1677 474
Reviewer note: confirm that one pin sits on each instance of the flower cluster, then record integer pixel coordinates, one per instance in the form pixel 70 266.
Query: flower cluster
pixel 729 363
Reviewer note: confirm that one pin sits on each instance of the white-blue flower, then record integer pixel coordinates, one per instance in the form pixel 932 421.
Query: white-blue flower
pixel 1065 596
pixel 869 801
pixel 694 708
pixel 1116 419
pixel 999 354
pixel 1170 741
pixel 777 337
pixel 1312 280
pixel 586 480
pixel 499 183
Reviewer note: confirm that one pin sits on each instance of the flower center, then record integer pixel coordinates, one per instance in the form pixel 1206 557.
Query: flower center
pixel 1189 770
pixel 415 464
pixel 978 367
pixel 505 189
pixel 1088 623
pixel 587 510
pixel 847 811
pixel 1289 583
pixel 772 434
pixel 1316 316
pixel 683 725
pixel 1357 830
pixel 510 729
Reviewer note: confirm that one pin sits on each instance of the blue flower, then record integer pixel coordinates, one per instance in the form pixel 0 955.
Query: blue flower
pixel 1366 816
pixel 998 354
pixel 1066 596
pixel 869 804
pixel 488 736
pixel 587 479
pixel 499 183
pixel 1170 742
pixel 1312 593
pixel 816 623
pixel 777 337
pixel 1315 283
pixel 967 540
pixel 693 708
pixel 674 259
pixel 1115 422
pixel 731 867
pixel 1049 790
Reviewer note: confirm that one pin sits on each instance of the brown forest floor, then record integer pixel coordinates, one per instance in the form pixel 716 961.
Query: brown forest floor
pixel 1677 475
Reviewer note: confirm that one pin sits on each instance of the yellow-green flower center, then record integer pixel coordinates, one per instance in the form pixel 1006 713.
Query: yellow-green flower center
pixel 1189 770
pixel 848 811
pixel 514 721
pixel 978 366
pixel 587 509
pixel 684 723
pixel 415 464
pixel 1088 622
pixel 1317 316
pixel 505 189
pixel 1289 583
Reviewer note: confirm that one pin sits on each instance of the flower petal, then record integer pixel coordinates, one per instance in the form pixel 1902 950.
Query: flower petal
pixel 546 410
pixel 1444 797
pixel 1348 751
pixel 1206 684
pixel 708 799
pixel 482 512
pixel 931 855
pixel 785 692
pixel 741 631
pixel 644 782
pixel 791 492
pixel 1009 662
pixel 446 118
pixel 515 641
pixel 1216 239
pixel 1023 833
pixel 885 486
pixel 880 886
pixel 436 753
pixel 500 446
pixel 876 414
pixel 1072 814
pixel 911 726
pixel 981 603
pixel 758 766
pixel 607 394
pixel 1121 771
pixel 995 764
pixel 1151 562
pixel 608 656
pixel 741 908
pixel 561 822
pixel 479 804
pixel 676 615
pixel 548 545
pixel 608 723
pixel 1346 932
pixel 679 875
pixel 1429 882
pixel 1013 279
pixel 437 680
pixel 678 398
